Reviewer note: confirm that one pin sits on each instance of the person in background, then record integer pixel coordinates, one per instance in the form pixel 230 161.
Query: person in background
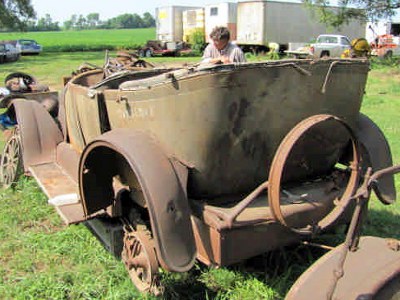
pixel 221 50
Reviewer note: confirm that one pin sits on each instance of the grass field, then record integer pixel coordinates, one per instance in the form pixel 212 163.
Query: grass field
pixel 86 40
pixel 40 258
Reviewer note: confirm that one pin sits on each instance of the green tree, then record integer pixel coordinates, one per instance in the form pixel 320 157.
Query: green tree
pixel 352 9
pixel 46 24
pixel 81 22
pixel 14 14
pixel 148 20
pixel 71 23
pixel 125 21
pixel 93 20
pixel 68 25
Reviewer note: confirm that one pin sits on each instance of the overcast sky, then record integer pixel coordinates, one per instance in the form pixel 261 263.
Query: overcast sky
pixel 62 10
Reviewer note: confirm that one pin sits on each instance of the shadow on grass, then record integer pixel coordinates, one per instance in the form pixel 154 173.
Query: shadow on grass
pixel 277 270
pixel 185 286
pixel 382 223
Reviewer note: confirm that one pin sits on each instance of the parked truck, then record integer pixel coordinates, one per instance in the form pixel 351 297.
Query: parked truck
pixel 384 39
pixel 330 45
pixel 262 22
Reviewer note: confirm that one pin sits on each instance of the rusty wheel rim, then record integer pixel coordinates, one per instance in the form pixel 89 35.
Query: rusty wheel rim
pixel 140 260
pixel 278 165
pixel 11 160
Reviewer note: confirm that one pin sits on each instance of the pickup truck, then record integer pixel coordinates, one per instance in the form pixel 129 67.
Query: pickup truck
pixel 330 45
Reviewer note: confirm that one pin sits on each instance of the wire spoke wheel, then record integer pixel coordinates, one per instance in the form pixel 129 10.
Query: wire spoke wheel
pixel 140 259
pixel 11 160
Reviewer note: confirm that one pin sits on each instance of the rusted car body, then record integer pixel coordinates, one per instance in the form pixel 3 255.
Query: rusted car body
pixel 215 163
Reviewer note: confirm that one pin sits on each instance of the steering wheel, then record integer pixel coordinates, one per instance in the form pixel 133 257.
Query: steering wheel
pixel 26 78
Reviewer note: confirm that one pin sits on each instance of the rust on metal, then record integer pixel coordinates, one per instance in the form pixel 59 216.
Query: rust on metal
pixel 139 257
pixel 278 165
pixel 367 272
pixel 11 159
pixel 393 244
pixel 219 163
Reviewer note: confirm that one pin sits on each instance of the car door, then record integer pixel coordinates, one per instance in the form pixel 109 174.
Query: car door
pixel 2 53
pixel 11 53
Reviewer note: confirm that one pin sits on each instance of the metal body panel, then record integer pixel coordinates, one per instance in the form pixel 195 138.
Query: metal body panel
pixel 40 134
pixel 82 115
pixel 216 117
pixel 68 159
pixel 225 247
pixel 366 271
pixel 378 156
pixel 220 243
pixel 158 182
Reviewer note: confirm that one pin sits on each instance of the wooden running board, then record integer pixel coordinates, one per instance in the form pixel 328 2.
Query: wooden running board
pixel 61 190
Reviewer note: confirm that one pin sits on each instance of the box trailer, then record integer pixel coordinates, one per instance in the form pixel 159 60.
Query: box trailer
pixel 193 20
pixel 169 23
pixel 222 14
pixel 262 22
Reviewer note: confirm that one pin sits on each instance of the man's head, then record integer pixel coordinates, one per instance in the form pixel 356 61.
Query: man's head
pixel 220 37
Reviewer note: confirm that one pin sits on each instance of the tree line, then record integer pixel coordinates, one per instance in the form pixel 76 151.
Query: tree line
pixel 20 14
pixel 91 21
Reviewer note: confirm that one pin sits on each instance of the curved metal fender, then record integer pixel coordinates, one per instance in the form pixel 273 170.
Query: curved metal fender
pixel 379 156
pixel 366 271
pixel 39 132
pixel 163 191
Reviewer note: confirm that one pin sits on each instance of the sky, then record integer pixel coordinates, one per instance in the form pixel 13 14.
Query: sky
pixel 63 10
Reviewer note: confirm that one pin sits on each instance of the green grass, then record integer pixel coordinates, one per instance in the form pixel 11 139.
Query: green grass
pixel 40 258
pixel 382 104
pixel 86 40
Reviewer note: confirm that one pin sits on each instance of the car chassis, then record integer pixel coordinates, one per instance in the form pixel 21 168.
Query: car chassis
pixel 161 181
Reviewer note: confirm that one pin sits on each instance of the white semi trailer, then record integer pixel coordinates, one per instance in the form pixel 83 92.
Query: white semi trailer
pixel 169 22
pixel 262 22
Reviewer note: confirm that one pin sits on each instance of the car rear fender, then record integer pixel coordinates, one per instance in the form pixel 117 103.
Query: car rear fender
pixel 161 181
pixel 40 134
pixel 365 272
pixel 377 154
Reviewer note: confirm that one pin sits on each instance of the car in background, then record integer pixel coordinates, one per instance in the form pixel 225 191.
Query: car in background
pixel 2 53
pixel 331 45
pixel 8 52
pixel 27 46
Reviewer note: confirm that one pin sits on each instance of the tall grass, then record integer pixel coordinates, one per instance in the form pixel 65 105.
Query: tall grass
pixel 40 258
pixel 86 40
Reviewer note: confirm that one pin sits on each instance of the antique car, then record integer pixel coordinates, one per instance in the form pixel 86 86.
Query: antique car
pixel 217 163
pixel 8 52
pixel 27 46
